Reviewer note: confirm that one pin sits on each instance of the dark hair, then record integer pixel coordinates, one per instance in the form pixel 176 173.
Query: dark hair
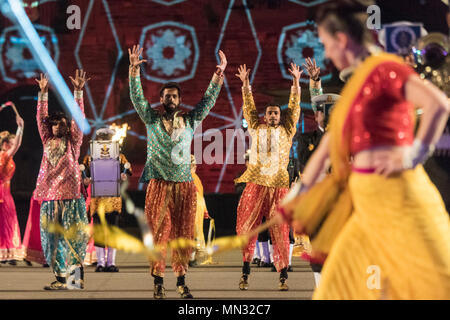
pixel 55 117
pixel 347 16
pixel 170 85
pixel 272 105
pixel 103 136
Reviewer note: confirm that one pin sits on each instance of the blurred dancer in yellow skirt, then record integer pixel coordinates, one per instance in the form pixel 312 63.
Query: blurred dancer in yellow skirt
pixel 200 215
pixel 377 218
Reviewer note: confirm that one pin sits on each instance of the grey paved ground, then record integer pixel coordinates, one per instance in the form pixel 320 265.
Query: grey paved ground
pixel 216 281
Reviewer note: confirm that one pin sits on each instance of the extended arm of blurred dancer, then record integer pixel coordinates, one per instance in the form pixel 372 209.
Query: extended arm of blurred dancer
pixel 78 84
pixel 316 164
pixel 436 109
pixel 249 108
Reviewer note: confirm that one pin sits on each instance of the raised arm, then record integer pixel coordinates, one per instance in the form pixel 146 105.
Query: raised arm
pixel 292 113
pixel 16 143
pixel 436 108
pixel 249 108
pixel 208 101
pixel 143 108
pixel 315 84
pixel 42 108
pixel 78 85
pixel 316 164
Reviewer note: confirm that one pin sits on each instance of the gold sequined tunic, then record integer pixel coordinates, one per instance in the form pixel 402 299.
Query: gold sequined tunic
pixel 269 151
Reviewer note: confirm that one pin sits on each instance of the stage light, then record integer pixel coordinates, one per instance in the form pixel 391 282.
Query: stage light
pixel 14 11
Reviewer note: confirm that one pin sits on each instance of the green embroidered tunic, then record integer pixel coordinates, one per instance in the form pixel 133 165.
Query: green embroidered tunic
pixel 168 156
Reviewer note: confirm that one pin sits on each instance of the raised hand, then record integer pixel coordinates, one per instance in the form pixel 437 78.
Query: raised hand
pixel 295 71
pixel 312 69
pixel 43 83
pixel 80 80
pixel 243 74
pixel 223 62
pixel 134 56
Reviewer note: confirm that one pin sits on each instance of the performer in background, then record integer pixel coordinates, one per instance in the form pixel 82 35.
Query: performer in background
pixel 170 203
pixel 309 141
pixel 32 237
pixel 106 256
pixel 378 189
pixel 267 178
pixel 10 244
pixel 200 215
pixel 58 186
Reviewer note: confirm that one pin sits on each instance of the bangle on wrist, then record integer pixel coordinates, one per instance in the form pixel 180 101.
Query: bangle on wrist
pixel 19 131
pixel 219 72
pixel 43 95
pixel 417 153
pixel 78 93
pixel 315 79
pixel 303 188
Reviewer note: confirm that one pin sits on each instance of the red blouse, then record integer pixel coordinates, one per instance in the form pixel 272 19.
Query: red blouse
pixel 380 115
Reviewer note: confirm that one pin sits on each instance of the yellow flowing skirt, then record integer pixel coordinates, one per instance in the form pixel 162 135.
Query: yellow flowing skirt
pixel 199 217
pixel 396 244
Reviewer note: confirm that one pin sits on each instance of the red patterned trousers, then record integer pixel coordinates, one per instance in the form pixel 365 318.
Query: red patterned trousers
pixel 170 208
pixel 257 202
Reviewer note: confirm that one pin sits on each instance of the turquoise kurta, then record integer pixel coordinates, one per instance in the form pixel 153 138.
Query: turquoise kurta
pixel 168 156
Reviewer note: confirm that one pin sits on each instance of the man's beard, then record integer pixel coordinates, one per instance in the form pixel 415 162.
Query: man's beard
pixel 169 109
pixel 273 123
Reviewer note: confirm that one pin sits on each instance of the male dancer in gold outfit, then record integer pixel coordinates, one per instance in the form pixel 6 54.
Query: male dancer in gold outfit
pixel 267 177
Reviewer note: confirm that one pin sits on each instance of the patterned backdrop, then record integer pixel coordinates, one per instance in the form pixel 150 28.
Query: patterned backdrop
pixel 181 39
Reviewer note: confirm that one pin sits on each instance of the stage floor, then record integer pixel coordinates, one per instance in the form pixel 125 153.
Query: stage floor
pixel 213 281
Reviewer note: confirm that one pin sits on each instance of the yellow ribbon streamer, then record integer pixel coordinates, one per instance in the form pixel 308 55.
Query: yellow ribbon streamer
pixel 212 229
pixel 115 237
